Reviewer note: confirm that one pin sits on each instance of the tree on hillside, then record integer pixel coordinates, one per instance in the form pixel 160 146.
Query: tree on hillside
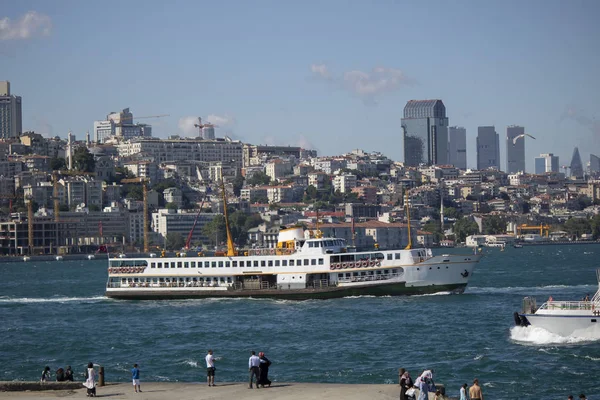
pixel 451 212
pixel 58 163
pixel 578 226
pixel 435 229
pixel 494 225
pixel 595 224
pixel 258 178
pixel 83 160
pixel 174 241
pixel 238 184
pixel 465 227
pixel 215 230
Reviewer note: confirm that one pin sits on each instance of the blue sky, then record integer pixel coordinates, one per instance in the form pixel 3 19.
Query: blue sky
pixel 334 75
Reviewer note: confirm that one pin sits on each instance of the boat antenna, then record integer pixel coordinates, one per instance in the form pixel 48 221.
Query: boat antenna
pixel 230 246
pixel 409 245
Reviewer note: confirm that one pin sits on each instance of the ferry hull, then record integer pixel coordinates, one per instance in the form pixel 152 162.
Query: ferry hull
pixel 563 325
pixel 389 289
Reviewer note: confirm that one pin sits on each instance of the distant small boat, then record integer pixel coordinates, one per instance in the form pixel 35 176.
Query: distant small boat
pixel 517 246
pixel 59 258
pixel 26 258
pixel 91 257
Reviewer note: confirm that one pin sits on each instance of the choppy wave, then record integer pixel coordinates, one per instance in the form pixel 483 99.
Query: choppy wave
pixel 528 289
pixel 540 336
pixel 191 363
pixel 26 300
pixel 432 294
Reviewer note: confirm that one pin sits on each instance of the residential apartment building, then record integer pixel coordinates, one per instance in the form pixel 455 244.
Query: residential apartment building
pixel 170 221
pixel 11 118
pixel 278 168
pixel 344 183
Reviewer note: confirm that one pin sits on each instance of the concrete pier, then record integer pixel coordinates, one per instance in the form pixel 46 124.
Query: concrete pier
pixel 224 391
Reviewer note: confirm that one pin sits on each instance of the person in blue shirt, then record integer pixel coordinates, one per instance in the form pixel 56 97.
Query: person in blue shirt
pixel 135 376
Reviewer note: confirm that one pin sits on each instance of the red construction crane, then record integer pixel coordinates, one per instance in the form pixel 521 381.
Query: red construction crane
pixel 189 238
pixel 200 125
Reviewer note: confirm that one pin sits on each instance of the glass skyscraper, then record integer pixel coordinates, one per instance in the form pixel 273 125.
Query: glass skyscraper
pixel 515 150
pixel 488 148
pixel 425 132
pixel 457 147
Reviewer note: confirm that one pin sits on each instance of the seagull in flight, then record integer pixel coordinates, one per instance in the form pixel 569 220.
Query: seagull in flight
pixel 522 135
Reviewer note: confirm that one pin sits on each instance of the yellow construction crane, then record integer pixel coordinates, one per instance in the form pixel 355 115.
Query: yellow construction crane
pixel 144 182
pixel 543 229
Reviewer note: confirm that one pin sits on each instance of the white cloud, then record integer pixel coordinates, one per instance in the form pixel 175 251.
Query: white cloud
pixel 320 70
pixel 221 120
pixel 29 25
pixel 186 126
pixel 366 84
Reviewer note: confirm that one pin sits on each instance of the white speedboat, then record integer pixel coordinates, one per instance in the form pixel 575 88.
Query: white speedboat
pixel 563 318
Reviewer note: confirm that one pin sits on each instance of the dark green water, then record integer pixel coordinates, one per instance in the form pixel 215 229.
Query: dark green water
pixel 54 313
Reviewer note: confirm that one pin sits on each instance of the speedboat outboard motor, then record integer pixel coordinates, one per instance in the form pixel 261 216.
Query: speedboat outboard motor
pixel 520 320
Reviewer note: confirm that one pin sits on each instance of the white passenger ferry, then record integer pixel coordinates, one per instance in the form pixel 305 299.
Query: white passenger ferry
pixel 563 318
pixel 303 266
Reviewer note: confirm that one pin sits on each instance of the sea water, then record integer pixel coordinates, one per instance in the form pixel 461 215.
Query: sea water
pixel 55 314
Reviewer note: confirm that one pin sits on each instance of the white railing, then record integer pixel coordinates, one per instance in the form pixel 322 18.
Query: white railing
pixel 368 278
pixel 570 305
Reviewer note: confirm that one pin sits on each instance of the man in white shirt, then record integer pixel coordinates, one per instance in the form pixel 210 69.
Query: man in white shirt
pixel 253 365
pixel 210 368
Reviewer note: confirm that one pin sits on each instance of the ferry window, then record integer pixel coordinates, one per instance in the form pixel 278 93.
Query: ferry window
pixel 394 271
pixel 378 272
pixel 311 244
pixel 234 263
pixel 313 262
pixel 389 256
pixel 397 256
pixel 179 264
pixel 213 264
pixel 193 264
pixel 173 264
pixel 152 265
pixel 340 275
pixel 241 263
pixel 228 279
pixel 386 271
pixel 284 263
pixel 355 274
pixel 329 243
pixel 348 275
pixel 159 265
pixel 220 264
pixel 363 273
pixel 320 261
pixel 270 263
pixel 256 263
pixel 277 263
pixel 263 263
pixel 206 264
pixel 306 261
pixel 227 264
pixel 291 263
pixel 186 264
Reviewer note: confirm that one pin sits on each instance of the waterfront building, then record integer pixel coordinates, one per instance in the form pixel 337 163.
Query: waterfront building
pixel 165 221
pixel 457 147
pixel 488 148
pixel 576 166
pixel 11 117
pixel 546 163
pixel 425 132
pixel 515 149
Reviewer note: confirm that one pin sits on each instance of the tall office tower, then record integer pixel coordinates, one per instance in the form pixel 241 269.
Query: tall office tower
pixel 546 163
pixel 576 165
pixel 208 132
pixel 515 149
pixel 594 165
pixel 457 147
pixel 11 118
pixel 425 132
pixel 488 148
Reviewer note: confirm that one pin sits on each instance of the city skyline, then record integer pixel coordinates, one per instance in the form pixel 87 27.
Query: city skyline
pixel 305 75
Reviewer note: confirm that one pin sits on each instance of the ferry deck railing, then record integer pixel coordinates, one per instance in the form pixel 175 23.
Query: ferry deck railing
pixel 570 305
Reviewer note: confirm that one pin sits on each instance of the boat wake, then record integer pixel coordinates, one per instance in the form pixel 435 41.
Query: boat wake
pixel 27 300
pixel 528 290
pixel 540 336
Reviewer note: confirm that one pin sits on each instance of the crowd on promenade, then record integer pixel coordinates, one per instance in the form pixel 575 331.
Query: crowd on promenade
pixel 424 384
pixel 258 368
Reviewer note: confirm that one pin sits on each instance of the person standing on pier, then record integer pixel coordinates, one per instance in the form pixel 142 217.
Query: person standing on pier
pixel 135 377
pixel 210 368
pixel 90 380
pixel 264 370
pixel 463 391
pixel 253 367
pixel 406 383
pixel 475 391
